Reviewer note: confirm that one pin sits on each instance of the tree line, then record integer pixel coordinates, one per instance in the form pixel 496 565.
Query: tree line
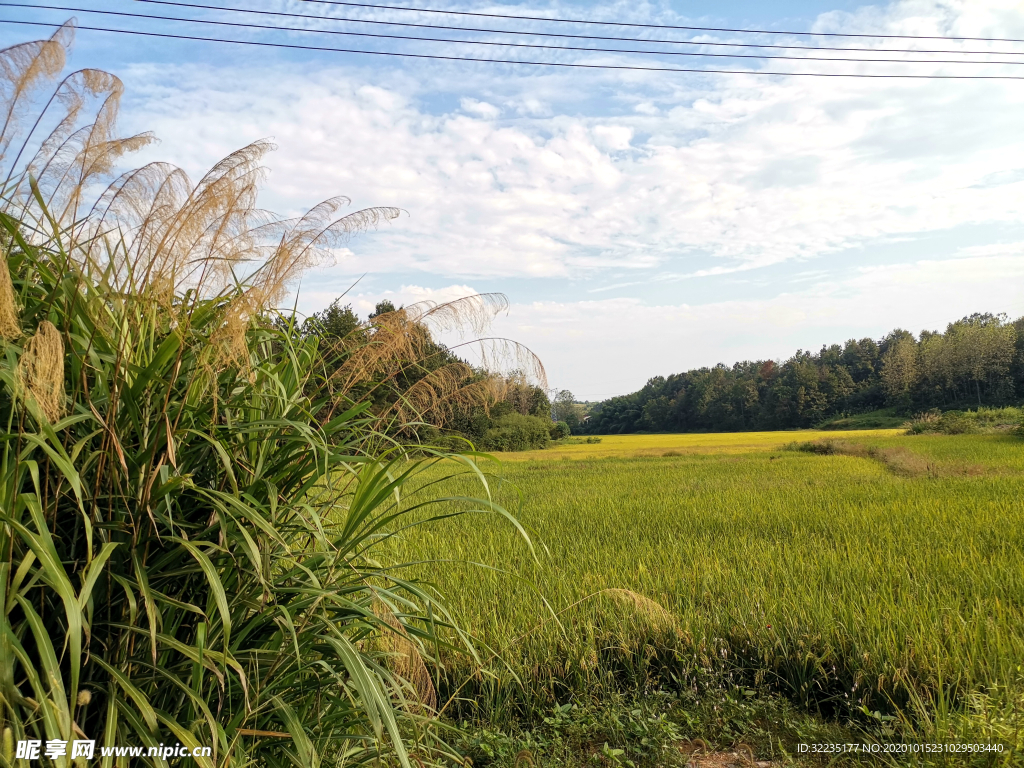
pixel 976 361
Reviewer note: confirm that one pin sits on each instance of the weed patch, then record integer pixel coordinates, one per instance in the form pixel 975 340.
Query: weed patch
pixel 660 729
pixel 899 459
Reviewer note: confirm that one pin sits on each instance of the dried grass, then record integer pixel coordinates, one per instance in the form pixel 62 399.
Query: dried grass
pixel 404 658
pixel 41 371
pixel 10 323
pixel 898 459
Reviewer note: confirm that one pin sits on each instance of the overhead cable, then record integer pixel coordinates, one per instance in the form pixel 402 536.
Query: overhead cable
pixel 531 33
pixel 375 35
pixel 658 26
pixel 562 65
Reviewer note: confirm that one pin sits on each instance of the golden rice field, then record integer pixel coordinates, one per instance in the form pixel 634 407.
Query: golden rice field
pixel 628 446
pixel 844 582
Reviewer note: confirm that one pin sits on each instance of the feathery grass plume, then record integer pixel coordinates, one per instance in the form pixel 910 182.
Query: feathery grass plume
pixel 289 248
pixel 81 147
pixel 153 226
pixel 41 370
pixel 10 323
pixel 475 311
pixel 66 167
pixel 22 67
pixel 307 242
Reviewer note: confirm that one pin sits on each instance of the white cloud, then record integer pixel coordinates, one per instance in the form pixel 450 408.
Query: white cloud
pixel 613 137
pixel 364 302
pixel 644 178
pixel 480 108
pixel 746 170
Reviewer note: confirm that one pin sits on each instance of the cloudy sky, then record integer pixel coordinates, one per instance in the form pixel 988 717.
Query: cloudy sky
pixel 641 223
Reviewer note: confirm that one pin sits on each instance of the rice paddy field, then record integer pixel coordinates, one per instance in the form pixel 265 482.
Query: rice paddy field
pixel 879 586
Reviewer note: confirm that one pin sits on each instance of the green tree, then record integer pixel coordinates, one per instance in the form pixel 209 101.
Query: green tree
pixel 334 322
pixel 657 413
pixel 383 308
pixel 565 408
pixel 900 368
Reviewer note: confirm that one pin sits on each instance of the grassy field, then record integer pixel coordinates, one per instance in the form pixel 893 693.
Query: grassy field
pixel 725 565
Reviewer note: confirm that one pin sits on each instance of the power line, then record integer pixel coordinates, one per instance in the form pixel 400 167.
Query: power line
pixel 563 65
pixel 659 26
pixel 500 44
pixel 717 44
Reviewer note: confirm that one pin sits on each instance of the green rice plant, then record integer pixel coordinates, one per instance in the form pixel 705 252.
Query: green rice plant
pixel 191 522
pixel 845 580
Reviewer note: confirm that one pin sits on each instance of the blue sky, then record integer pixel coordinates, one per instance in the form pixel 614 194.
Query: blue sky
pixel 640 223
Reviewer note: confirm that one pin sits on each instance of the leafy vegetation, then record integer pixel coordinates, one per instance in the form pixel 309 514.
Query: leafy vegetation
pixel 966 422
pixel 883 418
pixel 854 585
pixel 192 501
pixel 516 432
pixel 978 361
pixel 650 731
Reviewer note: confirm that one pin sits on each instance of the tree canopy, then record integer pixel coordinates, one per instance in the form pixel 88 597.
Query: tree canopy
pixel 978 360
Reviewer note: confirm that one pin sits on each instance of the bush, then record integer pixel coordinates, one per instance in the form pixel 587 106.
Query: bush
pixel 956 423
pixel 560 430
pixel 515 432
pixel 965 422
pixel 923 422
pixel 885 418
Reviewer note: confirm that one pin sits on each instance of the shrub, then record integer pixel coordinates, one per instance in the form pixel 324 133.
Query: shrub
pixel 923 422
pixel 515 432
pixel 1007 417
pixel 560 430
pixel 956 423
pixel 966 422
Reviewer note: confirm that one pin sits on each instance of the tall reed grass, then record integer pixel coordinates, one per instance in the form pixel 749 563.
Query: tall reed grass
pixel 190 516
